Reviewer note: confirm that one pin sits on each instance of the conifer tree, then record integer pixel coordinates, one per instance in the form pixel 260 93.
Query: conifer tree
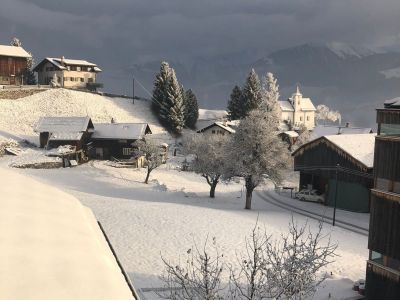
pixel 252 96
pixel 172 112
pixel 191 109
pixel 160 91
pixel 235 105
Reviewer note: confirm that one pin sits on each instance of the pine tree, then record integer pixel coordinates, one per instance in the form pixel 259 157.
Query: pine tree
pixel 235 110
pixel 160 91
pixel 270 98
pixel 252 96
pixel 191 109
pixel 172 112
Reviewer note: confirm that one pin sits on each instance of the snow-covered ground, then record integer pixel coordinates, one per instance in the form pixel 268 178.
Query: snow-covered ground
pixel 172 212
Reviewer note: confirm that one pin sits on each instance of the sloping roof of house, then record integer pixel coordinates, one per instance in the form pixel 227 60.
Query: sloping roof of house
pixel 357 147
pixel 286 105
pixel 291 133
pixel 53 239
pixel 322 130
pixel 223 125
pixel 67 62
pixel 66 136
pixel 126 131
pixel 392 103
pixel 63 124
pixel 13 51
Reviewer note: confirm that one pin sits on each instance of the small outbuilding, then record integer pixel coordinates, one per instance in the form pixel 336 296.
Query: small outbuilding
pixel 61 131
pixel 115 140
pixel 349 156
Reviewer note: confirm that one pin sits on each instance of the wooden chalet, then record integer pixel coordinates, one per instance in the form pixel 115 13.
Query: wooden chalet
pixel 318 160
pixel 115 140
pixel 66 131
pixel 13 64
pixel 220 127
pixel 383 266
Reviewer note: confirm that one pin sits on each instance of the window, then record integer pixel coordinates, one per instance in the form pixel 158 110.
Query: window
pixel 76 78
pixel 127 151
pixel 78 68
pixel 301 118
pixel 90 80
pixel 213 131
pixel 66 78
pixel 390 129
pixel 73 68
pixel 308 118
pixel 82 79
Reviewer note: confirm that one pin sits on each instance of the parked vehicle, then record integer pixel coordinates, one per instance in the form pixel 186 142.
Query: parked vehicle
pixel 309 195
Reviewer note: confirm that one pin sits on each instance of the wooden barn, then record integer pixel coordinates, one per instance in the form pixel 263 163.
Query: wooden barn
pixel 13 64
pixel 115 140
pixel 60 131
pixel 383 266
pixel 318 160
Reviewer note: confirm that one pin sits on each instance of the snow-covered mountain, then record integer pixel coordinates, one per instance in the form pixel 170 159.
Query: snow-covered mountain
pixel 345 77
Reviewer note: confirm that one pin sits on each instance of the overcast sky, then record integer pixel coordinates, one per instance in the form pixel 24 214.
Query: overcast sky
pixel 116 33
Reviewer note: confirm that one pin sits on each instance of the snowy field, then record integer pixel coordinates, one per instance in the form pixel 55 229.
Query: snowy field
pixel 172 212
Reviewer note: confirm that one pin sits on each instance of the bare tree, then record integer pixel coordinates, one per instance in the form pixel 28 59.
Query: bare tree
pixel 199 278
pixel 288 268
pixel 324 113
pixel 152 152
pixel 209 157
pixel 256 152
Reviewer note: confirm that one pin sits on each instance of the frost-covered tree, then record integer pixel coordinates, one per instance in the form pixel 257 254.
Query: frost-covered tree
pixel 16 42
pixel 191 109
pixel 324 113
pixel 199 278
pixel 303 138
pixel 209 157
pixel 235 104
pixel 153 154
pixel 251 93
pixel 256 152
pixel 270 97
pixel 160 90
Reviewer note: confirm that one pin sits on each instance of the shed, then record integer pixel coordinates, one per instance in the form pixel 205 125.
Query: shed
pixel 116 139
pixel 60 131
pixel 317 162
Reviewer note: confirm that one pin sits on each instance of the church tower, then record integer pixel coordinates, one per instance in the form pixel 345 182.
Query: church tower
pixel 296 98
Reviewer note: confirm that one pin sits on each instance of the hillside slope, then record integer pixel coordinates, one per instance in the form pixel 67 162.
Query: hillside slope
pixel 19 117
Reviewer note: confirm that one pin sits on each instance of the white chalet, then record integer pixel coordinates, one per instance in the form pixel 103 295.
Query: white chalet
pixel 71 73
pixel 298 110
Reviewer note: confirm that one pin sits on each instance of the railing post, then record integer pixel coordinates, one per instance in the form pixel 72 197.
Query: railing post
pixel 336 192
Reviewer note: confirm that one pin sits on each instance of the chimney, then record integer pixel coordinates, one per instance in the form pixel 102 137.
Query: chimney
pixel 62 60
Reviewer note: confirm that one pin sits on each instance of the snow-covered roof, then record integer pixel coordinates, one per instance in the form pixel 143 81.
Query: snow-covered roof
pixel 52 246
pixel 13 51
pixel 322 130
pixel 69 62
pixel 291 133
pixel 127 131
pixel 223 125
pixel 63 124
pixel 286 105
pixel 66 136
pixel 307 105
pixel 359 146
pixel 393 103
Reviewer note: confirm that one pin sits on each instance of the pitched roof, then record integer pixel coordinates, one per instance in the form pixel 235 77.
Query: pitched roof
pixel 291 133
pixel 63 124
pixel 392 103
pixel 359 147
pixel 307 105
pixel 68 62
pixel 66 136
pixel 286 105
pixel 322 130
pixel 126 131
pixel 223 125
pixel 13 51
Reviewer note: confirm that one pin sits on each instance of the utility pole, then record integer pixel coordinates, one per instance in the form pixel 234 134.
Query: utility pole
pixel 133 90
pixel 336 192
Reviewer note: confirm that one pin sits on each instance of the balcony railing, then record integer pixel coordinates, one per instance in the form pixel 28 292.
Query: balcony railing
pixel 387 272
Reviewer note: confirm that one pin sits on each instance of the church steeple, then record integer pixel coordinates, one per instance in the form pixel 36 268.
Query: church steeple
pixel 296 98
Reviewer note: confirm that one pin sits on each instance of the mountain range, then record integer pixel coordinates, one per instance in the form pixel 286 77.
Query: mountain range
pixel 350 79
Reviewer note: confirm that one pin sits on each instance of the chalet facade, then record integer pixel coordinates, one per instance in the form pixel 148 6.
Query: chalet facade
pixel 317 163
pixel 115 140
pixel 60 131
pixel 383 266
pixel 13 65
pixel 298 111
pixel 69 73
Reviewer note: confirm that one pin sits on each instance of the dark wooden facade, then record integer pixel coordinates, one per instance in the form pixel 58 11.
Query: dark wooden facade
pixel 12 69
pixel 383 267
pixel 317 161
pixel 107 149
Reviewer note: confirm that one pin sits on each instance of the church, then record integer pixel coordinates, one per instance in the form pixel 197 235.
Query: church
pixel 298 111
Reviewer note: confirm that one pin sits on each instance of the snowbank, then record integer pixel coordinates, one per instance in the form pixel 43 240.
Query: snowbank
pixel 51 246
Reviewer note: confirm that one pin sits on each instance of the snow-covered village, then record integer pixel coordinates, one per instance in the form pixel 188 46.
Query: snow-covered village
pixel 252 154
